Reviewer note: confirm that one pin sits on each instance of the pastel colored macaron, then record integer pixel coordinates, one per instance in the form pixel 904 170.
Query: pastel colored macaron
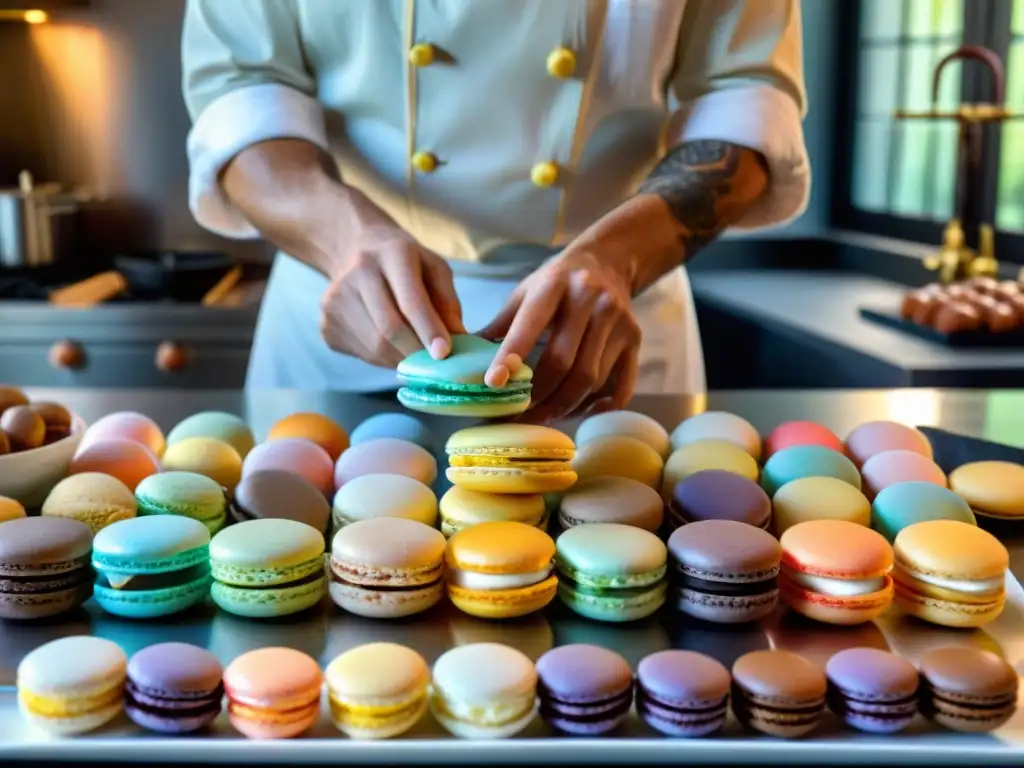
pixel 72 685
pixel 639 426
pixel 400 426
pixel 818 498
pixel 500 570
pixel 950 573
pixel 128 461
pixel 10 509
pixel 126 425
pixel 619 456
pixel 881 436
pixel 386 455
pixel 903 504
pixel 872 690
pixel 716 494
pixel 584 689
pixel 173 688
pixel 682 693
pixel 183 493
pixel 611 572
pixel 611 500
pixel 276 493
pixel 836 572
pixel 791 433
pixel 273 693
pixel 718 425
pixel 778 693
pixel 92 498
pixel 807 461
pixel 901 466
pixel 315 427
pixel 967 689
pixel 455 385
pixel 384 495
pixel 267 568
pixel 992 488
pixel 387 567
pixel 44 566
pixel 206 456
pixel 462 508
pixel 483 691
pixel 226 427
pixel 297 455
pixel 703 455
pixel 511 458
pixel 377 690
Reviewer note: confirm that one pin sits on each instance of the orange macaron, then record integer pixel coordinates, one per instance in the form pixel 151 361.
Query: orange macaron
pixel 273 693
pixel 315 427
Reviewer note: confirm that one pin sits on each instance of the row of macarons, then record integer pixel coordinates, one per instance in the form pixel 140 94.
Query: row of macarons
pixel 78 684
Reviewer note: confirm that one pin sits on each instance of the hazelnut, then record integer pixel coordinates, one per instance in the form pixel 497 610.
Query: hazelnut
pixel 5 443
pixel 25 428
pixel 10 397
pixel 57 418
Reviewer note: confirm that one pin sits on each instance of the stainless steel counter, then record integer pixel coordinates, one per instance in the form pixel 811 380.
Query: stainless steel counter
pixel 326 632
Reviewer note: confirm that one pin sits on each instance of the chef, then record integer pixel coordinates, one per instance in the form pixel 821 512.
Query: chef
pixel 538 171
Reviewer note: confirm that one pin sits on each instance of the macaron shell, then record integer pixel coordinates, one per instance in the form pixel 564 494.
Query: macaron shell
pixel 226 427
pixel 726 550
pixel 880 436
pixel 584 689
pixel 778 693
pixel 274 687
pixel 503 603
pixel 263 545
pixel 526 478
pixel 500 547
pixel 173 688
pixel 466 363
pixel 807 461
pixel 401 426
pixel 386 456
pixel 389 546
pixel 715 494
pixel 818 498
pixel 183 493
pixel 314 427
pixel 296 455
pixel 872 690
pixel 628 424
pixel 901 466
pixel 611 555
pixel 126 425
pixel 683 693
pixel 966 689
pixel 10 509
pixel 836 549
pixel 791 433
pixel 385 495
pixel 128 461
pixel 951 549
pixel 718 425
pixel 520 441
pixel 703 455
pixel 276 493
pixel 619 456
pixel 471 404
pixel 205 456
pixel 91 497
pixel 904 504
pixel 461 508
pixel 146 543
pixel 612 500
pixel 992 488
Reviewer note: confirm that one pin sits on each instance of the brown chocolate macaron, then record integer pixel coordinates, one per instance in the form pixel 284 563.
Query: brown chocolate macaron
pixel 612 500
pixel 57 419
pixel 967 689
pixel 25 428
pixel 275 493
pixel 778 693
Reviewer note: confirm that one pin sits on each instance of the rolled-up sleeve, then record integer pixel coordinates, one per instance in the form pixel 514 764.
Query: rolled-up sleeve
pixel 244 81
pixel 739 78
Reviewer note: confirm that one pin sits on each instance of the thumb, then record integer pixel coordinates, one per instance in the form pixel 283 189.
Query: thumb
pixel 437 277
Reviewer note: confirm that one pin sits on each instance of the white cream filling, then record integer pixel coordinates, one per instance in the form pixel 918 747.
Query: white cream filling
pixel 981 586
pixel 835 587
pixel 494 581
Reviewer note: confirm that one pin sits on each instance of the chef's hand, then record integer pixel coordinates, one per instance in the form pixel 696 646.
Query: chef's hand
pixel 591 360
pixel 389 297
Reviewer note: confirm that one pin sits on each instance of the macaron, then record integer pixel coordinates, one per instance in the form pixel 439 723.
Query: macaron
pixel 400 426
pixel 791 433
pixel 92 498
pixel 44 566
pixel 967 689
pixel 500 570
pixel 992 488
pixel 807 461
pixel 703 455
pixel 173 688
pixel 612 500
pixel 276 493
pixel 619 456
pixel 818 498
pixel 128 461
pixel 315 427
pixel 950 573
pixel 716 494
pixel 384 495
pixel 483 691
pixel 903 504
pixel 724 571
pixel 206 456
pixel 377 690
pixel 718 425
pixel 387 567
pixel 267 568
pixel 183 493
pixel 901 466
pixel 511 458
pixel 584 689
pixel 10 509
pixel 611 572
pixel 226 427
pixel 126 425
pixel 872 690
pixel 462 508
pixel 682 693
pixel 881 436
pixel 386 455
pixel 151 566
pixel 836 572
pixel 273 693
pixel 778 693
pixel 297 455
pixel 72 685
pixel 455 385
pixel 639 426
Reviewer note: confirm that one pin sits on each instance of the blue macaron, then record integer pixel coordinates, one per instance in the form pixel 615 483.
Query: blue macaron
pixel 903 504
pixel 400 426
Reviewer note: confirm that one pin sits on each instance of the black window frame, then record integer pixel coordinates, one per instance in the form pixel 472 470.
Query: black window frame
pixel 986 22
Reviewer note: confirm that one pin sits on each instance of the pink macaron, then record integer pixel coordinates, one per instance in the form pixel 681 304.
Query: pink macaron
pixel 900 466
pixel 386 455
pixel 296 455
pixel 126 425
pixel 791 433
pixel 876 437
pixel 128 461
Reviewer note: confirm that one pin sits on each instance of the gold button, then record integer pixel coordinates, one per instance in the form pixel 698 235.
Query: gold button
pixel 424 162
pixel 421 55
pixel 544 174
pixel 561 63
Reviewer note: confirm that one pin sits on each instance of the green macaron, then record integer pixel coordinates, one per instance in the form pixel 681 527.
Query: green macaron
pixel 183 493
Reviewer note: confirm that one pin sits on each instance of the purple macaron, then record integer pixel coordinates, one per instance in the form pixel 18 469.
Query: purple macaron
pixel 872 690
pixel 584 689
pixel 683 693
pixel 715 494
pixel 174 688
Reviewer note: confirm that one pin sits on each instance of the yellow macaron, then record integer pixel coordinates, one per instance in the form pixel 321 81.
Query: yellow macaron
pixel 818 498
pixel 511 458
pixel 619 456
pixel 462 508
pixel 992 488
pixel 205 456
pixel 695 457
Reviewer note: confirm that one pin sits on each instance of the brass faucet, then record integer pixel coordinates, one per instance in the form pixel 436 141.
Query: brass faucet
pixel 955 261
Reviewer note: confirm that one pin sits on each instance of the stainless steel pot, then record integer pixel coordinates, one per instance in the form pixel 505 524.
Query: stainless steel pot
pixel 36 224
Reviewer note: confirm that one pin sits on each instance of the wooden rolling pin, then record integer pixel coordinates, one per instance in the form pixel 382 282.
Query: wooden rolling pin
pixel 90 292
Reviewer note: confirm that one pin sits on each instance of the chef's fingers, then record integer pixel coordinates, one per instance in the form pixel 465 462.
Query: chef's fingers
pixel 538 309
pixel 437 276
pixel 344 321
pixel 566 336
pixel 498 327
pixel 417 308
pixel 626 374
pixel 394 340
